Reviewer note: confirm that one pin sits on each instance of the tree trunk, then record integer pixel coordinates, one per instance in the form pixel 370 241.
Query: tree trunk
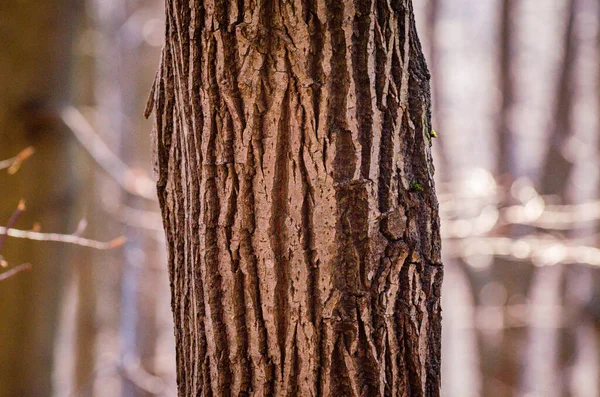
pixel 504 134
pixel 34 79
pixel 296 186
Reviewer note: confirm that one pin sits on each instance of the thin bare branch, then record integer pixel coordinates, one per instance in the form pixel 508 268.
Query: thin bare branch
pixel 149 220
pixel 81 227
pixel 63 238
pixel 131 180
pixel 134 371
pixel 520 315
pixel 541 251
pixel 139 218
pixel 535 212
pixel 13 164
pixel 18 269
pixel 11 222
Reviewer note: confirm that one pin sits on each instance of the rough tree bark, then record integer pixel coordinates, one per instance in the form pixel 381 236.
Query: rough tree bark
pixel 296 186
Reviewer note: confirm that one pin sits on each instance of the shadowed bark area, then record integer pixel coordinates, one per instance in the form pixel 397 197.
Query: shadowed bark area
pixel 296 186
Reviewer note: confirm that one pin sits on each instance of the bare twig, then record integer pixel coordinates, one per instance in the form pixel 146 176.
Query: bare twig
pixel 133 181
pixel 535 212
pixel 541 251
pixel 18 269
pixel 133 370
pixel 560 217
pixel 128 367
pixel 63 238
pixel 81 227
pixel 11 222
pixel 149 220
pixel 13 164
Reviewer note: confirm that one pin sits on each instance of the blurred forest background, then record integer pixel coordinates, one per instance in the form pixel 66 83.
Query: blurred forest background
pixel 516 90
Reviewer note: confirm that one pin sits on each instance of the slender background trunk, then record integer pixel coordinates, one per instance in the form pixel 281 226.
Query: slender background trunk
pixel 34 78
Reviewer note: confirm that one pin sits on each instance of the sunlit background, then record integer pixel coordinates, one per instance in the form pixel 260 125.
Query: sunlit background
pixel 517 110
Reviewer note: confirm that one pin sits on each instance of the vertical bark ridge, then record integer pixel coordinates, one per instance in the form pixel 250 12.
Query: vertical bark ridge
pixel 278 227
pixel 248 265
pixel 255 231
pixel 235 280
pixel 191 183
pixel 384 61
pixel 227 15
pixel 195 150
pixel 217 317
pixel 191 253
pixel 361 75
pixel 218 321
pixel 294 176
pixel 292 384
pixel 176 191
pixel 249 146
pixel 315 60
pixel 180 303
pixel 312 159
pixel 298 373
pixel 312 302
pixel 345 159
pixel 265 274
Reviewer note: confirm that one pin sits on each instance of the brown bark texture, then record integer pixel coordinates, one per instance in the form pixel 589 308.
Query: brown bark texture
pixel 296 185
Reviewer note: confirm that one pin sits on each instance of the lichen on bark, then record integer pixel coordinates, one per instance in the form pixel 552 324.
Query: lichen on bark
pixel 287 136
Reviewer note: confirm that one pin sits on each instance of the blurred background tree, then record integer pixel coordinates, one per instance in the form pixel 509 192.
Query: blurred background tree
pixel 35 77
pixel 517 110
